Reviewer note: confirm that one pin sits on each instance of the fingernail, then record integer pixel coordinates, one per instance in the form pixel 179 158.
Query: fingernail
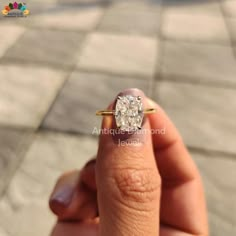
pixel 62 197
pixel 89 163
pixel 130 137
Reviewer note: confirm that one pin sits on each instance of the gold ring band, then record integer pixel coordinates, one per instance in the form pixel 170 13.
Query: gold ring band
pixel 112 112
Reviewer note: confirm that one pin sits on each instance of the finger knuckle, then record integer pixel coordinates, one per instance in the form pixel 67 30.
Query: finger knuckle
pixel 137 185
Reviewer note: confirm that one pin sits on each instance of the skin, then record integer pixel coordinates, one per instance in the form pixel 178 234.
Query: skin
pixel 150 189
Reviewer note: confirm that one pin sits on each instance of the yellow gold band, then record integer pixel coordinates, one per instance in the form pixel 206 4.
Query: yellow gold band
pixel 105 113
pixel 112 112
pixel 150 111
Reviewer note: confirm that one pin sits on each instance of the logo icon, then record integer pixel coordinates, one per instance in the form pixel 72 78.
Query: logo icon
pixel 15 10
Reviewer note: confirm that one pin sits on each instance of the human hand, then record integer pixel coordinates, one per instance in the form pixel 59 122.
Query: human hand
pixel 150 189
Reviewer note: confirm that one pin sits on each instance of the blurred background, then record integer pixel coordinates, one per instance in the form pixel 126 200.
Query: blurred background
pixel 69 58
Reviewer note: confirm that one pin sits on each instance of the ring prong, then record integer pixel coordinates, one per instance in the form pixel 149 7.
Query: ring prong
pixel 139 98
pixel 119 97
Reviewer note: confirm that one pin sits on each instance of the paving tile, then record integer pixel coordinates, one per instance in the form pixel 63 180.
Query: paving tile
pixel 83 2
pixel 201 114
pixel 77 103
pixel 218 173
pixel 44 1
pixel 202 7
pixel 13 144
pixel 59 17
pixel 138 17
pixel 195 21
pixel 25 202
pixel 3 232
pixel 119 54
pixel 199 62
pixel 55 153
pixel 200 27
pixel 38 7
pixel 9 35
pixel 26 94
pixel 47 47
pixel 229 7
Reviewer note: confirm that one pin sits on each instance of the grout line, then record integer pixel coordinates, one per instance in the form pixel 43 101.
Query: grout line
pixel 125 33
pixel 66 132
pixel 119 33
pixel 43 129
pixel 84 31
pixel 21 153
pixel 195 81
pixel 157 62
pixel 130 34
pixel 83 41
pixel 227 25
pixel 115 74
pixel 103 16
pixel 18 40
pixel 55 99
pixel 15 61
pixel 158 77
pixel 83 4
pixel 195 41
pixel 18 128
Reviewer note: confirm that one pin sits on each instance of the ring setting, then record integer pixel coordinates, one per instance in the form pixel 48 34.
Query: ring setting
pixel 129 112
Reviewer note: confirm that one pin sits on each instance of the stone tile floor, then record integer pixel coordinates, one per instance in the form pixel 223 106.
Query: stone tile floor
pixel 69 58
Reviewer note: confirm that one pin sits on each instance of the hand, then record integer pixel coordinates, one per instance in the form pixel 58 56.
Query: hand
pixel 150 189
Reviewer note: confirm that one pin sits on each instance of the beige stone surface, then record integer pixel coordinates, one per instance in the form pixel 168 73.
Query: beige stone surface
pixel 78 101
pixel 200 7
pixel 80 3
pixel 10 33
pixel 69 18
pixel 200 27
pixel 219 180
pixel 120 54
pixel 46 47
pixel 229 7
pixel 232 28
pixel 201 114
pixel 71 57
pixel 132 17
pixel 199 62
pixel 43 1
pixel 13 145
pixel 3 232
pixel 26 200
pixel 26 93
pixel 136 5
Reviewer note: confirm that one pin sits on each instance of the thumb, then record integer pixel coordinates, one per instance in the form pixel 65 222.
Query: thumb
pixel 127 178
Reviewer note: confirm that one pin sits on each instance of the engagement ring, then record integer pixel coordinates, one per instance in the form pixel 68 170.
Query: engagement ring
pixel 128 112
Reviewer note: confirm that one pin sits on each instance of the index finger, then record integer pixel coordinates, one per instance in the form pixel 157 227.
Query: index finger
pixel 171 153
pixel 182 202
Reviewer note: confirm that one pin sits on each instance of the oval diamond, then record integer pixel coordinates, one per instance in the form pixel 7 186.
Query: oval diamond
pixel 129 112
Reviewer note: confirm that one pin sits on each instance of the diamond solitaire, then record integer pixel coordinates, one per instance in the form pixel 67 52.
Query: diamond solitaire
pixel 129 113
